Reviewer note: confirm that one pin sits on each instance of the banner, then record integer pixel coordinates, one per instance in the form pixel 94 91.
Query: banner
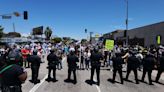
pixel 109 44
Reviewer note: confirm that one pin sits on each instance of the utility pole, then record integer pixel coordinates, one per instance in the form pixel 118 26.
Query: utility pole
pixel 127 21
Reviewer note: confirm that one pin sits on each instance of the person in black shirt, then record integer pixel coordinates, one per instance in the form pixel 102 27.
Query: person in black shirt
pixel 72 60
pixel 35 65
pixel 52 62
pixel 160 68
pixel 12 76
pixel 148 66
pixel 132 65
pixel 82 61
pixel 117 66
pixel 106 53
pixel 96 56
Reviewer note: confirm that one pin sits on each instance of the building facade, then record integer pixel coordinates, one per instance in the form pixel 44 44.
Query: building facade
pixel 144 36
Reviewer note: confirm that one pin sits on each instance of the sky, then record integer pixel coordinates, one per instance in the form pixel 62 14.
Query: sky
pixel 69 18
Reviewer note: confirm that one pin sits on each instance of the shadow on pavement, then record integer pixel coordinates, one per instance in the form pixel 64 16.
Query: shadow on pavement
pixel 105 69
pixel 111 80
pixel 143 81
pixel 159 83
pixel 128 81
pixel 70 81
pixel 90 82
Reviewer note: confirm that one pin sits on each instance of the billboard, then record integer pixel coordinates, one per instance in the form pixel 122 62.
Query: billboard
pixel 37 30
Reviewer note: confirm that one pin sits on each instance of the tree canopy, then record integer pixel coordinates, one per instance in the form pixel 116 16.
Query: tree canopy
pixel 1 31
pixel 48 33
pixel 56 40
pixel 13 34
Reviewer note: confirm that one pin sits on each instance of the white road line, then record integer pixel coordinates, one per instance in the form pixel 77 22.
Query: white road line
pixel 98 88
pixel 38 85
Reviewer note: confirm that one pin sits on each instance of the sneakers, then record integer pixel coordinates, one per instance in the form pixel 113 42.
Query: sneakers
pixel 137 82
pixel 35 82
pixel 67 80
pixel 48 79
pixel 98 83
pixel 54 80
pixel 74 82
pixel 51 79
pixel 31 81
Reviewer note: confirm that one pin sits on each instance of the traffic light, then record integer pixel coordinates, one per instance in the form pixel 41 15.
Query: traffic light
pixel 85 30
pixel 25 15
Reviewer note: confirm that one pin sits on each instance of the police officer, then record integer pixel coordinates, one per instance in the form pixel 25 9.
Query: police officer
pixel 96 56
pixel 72 60
pixel 52 63
pixel 148 66
pixel 82 61
pixel 160 68
pixel 132 65
pixel 106 53
pixel 117 66
pixel 14 56
pixel 35 65
pixel 12 76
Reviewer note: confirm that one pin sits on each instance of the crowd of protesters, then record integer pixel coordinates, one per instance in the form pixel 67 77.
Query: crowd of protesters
pixel 79 56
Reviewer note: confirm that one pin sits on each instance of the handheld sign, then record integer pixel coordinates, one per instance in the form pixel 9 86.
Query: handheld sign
pixel 158 39
pixel 109 44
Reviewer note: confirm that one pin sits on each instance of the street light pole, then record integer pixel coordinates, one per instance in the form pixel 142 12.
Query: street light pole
pixel 127 17
pixel 91 37
pixel 13 27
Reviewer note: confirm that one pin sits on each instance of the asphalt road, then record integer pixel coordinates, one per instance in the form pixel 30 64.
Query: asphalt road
pixel 82 86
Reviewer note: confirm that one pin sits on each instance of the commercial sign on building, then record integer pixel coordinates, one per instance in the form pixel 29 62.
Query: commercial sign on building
pixel 109 44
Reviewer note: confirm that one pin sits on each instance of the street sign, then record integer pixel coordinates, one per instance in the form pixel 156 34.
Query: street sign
pixel 6 17
pixel 109 44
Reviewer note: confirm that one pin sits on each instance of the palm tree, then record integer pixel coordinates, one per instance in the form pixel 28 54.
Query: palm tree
pixel 1 31
pixel 48 33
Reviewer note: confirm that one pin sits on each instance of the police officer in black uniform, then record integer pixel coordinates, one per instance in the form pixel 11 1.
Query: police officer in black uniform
pixel 117 66
pixel 35 65
pixel 160 68
pixel 106 53
pixel 14 56
pixel 12 76
pixel 96 56
pixel 148 66
pixel 132 65
pixel 52 63
pixel 72 60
